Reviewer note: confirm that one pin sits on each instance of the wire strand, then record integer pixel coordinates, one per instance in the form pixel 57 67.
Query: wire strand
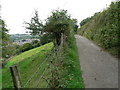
pixel 36 71
pixel 41 76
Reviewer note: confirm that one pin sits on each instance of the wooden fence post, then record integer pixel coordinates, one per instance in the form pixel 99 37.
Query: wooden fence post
pixel 16 77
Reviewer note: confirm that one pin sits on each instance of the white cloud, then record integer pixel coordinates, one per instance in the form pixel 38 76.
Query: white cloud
pixel 15 12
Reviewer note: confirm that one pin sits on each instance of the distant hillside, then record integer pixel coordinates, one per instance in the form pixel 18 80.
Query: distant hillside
pixel 20 36
pixel 15 37
pixel 103 28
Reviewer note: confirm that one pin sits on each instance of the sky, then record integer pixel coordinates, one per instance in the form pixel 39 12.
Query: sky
pixel 15 12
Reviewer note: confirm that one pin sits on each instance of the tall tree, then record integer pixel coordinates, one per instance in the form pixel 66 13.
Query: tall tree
pixel 35 26
pixel 3 31
pixel 56 24
pixel 7 47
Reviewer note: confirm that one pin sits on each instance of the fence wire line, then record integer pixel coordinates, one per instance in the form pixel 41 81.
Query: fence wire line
pixel 41 76
pixel 57 49
pixel 44 72
pixel 36 71
pixel 47 84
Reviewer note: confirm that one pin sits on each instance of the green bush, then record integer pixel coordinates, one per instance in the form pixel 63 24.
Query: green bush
pixel 46 38
pixel 35 43
pixel 8 50
pixel 25 47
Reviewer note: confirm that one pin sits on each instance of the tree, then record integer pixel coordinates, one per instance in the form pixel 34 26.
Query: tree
pixel 35 26
pixel 4 30
pixel 84 21
pixel 56 24
pixel 75 26
pixel 46 38
pixel 8 49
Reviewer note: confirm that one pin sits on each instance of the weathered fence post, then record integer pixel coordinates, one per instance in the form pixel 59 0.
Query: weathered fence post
pixel 16 77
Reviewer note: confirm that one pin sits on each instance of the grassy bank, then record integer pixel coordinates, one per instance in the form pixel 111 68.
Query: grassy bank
pixel 27 63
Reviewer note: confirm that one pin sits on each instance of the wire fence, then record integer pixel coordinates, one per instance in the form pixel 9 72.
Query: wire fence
pixel 49 75
pixel 38 70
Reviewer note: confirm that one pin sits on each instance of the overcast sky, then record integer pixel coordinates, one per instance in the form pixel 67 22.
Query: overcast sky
pixel 15 12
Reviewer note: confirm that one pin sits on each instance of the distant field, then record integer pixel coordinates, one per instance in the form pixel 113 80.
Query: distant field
pixel 27 63
pixel 21 36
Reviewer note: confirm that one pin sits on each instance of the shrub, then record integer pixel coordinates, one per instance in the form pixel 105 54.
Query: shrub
pixel 25 47
pixel 46 38
pixel 35 43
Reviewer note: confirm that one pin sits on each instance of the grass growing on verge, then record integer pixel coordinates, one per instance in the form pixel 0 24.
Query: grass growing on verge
pixel 74 74
pixel 27 63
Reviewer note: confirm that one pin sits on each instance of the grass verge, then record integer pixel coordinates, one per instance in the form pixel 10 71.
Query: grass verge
pixel 74 74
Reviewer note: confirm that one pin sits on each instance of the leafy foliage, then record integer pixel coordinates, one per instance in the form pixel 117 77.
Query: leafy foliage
pixel 35 25
pixel 83 22
pixel 8 49
pixel 59 22
pixel 56 24
pixel 4 30
pixel 46 38
pixel 25 47
pixel 103 28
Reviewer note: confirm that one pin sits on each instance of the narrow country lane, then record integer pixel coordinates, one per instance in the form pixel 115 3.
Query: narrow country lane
pixel 99 68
